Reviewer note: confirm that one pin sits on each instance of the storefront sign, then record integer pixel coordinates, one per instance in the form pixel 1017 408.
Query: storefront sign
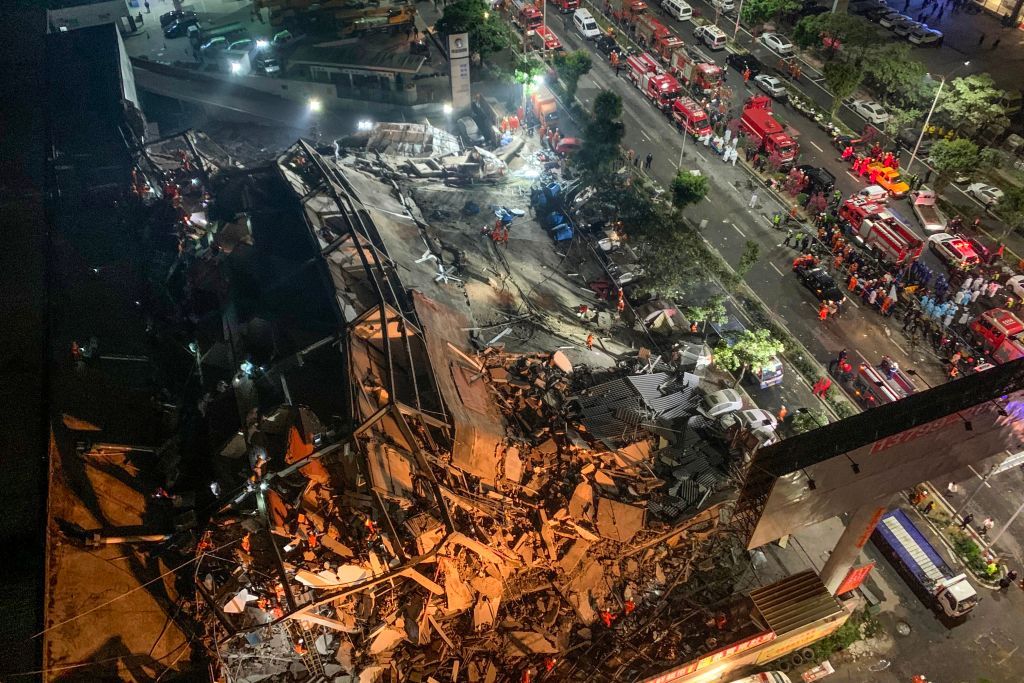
pixel 797 641
pixel 855 578
pixel 711 658
pixel 458 56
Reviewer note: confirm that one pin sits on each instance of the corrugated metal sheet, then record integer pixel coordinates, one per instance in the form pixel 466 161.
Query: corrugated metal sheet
pixel 649 386
pixel 795 602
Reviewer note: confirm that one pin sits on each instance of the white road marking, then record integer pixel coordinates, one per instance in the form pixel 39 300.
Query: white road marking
pixel 979 476
pixel 776 269
pixel 734 226
pixel 816 147
pixel 709 200
pixel 863 358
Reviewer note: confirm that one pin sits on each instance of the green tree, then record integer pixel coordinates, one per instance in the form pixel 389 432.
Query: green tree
pixel 806 420
pixel 602 137
pixel 759 11
pixel 751 350
pixel 972 100
pixel 835 32
pixel 951 158
pixel 488 33
pixel 570 67
pixel 898 76
pixel 526 68
pixel 672 262
pixel 1011 210
pixel 902 118
pixel 842 78
pixel 688 188
pixel 710 311
pixel 751 252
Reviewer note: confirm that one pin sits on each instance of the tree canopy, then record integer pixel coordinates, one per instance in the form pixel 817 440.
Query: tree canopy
pixel 842 78
pixel 759 11
pixel 570 67
pixel 751 252
pixel 752 349
pixel 896 74
pixel 808 420
pixel 602 137
pixel 688 188
pixel 834 33
pixel 488 32
pixel 1011 209
pixel 951 158
pixel 973 100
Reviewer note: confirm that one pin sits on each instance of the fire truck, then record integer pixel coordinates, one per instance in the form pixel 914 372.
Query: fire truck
pixel 656 37
pixel 626 11
pixel 1000 334
pixel 647 75
pixel 691 117
pixel 525 15
pixel 875 386
pixel 545 39
pixel 881 231
pixel 702 76
pixel 566 6
pixel 758 122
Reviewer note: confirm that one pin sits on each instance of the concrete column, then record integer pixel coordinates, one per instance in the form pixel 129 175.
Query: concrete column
pixel 844 554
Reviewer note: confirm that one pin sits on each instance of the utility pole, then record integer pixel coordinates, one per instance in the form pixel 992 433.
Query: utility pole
pixel 1007 525
pixel 984 482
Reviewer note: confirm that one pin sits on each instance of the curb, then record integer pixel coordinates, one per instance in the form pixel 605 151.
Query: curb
pixel 938 497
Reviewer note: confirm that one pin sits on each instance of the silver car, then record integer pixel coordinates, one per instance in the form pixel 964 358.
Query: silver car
pixel 771 85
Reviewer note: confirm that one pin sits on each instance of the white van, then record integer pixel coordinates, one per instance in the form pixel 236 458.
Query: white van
pixel 586 24
pixel 677 9
pixel 723 5
pixel 711 35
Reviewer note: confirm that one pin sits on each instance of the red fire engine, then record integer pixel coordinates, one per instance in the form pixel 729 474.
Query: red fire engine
pixel 758 122
pixel 701 76
pixel 545 39
pixel 999 333
pixel 875 386
pixel 880 230
pixel 654 35
pixel 647 75
pixel 525 15
pixel 566 6
pixel 626 11
pixel 691 117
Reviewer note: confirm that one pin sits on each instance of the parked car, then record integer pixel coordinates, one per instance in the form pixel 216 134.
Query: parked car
pixel 986 194
pixel 586 25
pixel 1016 285
pixel 607 45
pixel 759 422
pixel 711 35
pixel 983 251
pixel 282 37
pixel 724 6
pixel 771 85
pixel 904 27
pixel 743 62
pixel 925 36
pixel 169 18
pixel 721 402
pixel 876 14
pixel 268 65
pixel 679 10
pixel 179 28
pixel 955 250
pixel 470 131
pixel 870 110
pixel 908 137
pixel 862 7
pixel 890 19
pixel 818 179
pixel 778 43
pixel 821 284
pixel 214 44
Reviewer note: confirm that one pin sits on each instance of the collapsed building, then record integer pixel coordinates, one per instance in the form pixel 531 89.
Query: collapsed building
pixel 405 495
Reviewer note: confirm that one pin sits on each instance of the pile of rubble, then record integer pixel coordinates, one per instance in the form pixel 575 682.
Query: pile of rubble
pixel 579 536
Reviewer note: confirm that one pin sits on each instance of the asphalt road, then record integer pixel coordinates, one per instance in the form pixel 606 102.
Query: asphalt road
pixel 731 222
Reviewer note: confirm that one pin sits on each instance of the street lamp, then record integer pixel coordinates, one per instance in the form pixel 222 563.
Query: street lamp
pixel 315 105
pixel 448 109
pixel 736 27
pixel 942 82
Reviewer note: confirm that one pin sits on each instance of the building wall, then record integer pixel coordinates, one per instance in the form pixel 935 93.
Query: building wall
pixel 83 16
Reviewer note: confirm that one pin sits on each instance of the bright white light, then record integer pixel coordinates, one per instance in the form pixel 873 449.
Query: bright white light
pixel 364 124
pixel 315 105
pixel 262 45
pixel 538 79
pixel 236 67
pixel 448 109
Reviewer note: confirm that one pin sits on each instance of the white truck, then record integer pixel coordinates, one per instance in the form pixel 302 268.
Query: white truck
pixel 927 211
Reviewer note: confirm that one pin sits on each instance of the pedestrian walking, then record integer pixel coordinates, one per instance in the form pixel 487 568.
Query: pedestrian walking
pixel 753 200
pixel 821 387
pixel 648 161
pixel 952 488
pixel 590 342
pixel 146 5
pixel 783 412
pixel 966 521
pixel 789 236
pixel 986 526
pixel 636 161
pixel 929 506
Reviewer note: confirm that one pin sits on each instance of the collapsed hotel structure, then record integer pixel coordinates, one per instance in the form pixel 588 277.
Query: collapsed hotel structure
pixel 418 502
pixel 486 512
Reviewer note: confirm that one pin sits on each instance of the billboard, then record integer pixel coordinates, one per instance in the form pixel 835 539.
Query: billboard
pixel 458 60
pixel 855 577
pixel 868 457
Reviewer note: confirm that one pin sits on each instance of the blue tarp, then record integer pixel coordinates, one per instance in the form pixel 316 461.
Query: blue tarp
pixel 905 553
pixel 562 232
